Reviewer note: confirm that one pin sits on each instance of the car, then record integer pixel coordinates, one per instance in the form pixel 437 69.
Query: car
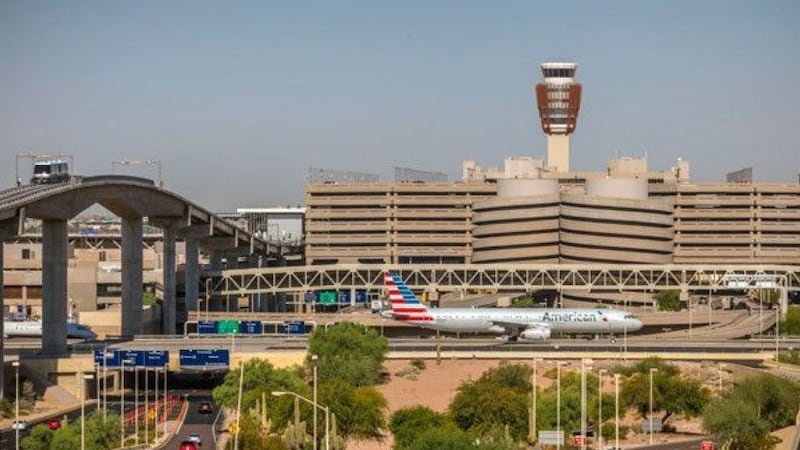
pixel 194 437
pixel 54 424
pixel 188 445
pixel 19 425
pixel 205 408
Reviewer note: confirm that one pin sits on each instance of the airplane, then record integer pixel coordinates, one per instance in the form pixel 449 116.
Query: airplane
pixel 33 328
pixel 518 323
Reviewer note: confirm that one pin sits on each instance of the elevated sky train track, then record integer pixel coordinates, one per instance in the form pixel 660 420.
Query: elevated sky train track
pixel 510 278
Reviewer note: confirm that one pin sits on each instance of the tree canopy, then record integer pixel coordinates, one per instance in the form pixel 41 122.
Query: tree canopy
pixel 359 409
pixel 672 394
pixel 99 434
pixel 350 352
pixel 668 300
pixel 261 378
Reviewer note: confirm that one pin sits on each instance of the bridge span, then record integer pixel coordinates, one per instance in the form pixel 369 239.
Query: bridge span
pixel 134 200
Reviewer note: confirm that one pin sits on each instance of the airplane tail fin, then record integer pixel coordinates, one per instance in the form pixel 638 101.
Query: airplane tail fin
pixel 405 305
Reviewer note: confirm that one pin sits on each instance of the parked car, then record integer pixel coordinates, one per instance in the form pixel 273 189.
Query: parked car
pixel 19 425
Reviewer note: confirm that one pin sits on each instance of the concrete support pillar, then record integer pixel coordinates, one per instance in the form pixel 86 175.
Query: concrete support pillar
pixel 131 276
pixel 168 312
pixel 191 275
pixel 54 287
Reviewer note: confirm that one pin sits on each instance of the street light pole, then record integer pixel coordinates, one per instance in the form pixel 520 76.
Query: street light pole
pixel 583 403
pixel 600 408
pixel 239 407
pixel 533 428
pixel 314 359
pixel 136 403
pixel 83 379
pixel 122 404
pixel 16 406
pixel 146 408
pixel 166 370
pixel 616 410
pixel 650 418
pixel 558 405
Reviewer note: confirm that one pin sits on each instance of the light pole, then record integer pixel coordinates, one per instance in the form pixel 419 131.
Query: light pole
pixel 616 410
pixel 208 297
pixel 583 402
pixel 84 377
pixel 136 404
pixel 558 405
pixel 16 405
pixel 166 372
pixel 533 428
pixel 600 408
pixel 689 300
pixel 314 359
pixel 650 419
pixel 316 405
pixel 122 403
pixel 720 366
pixel 97 387
pixel 146 406
pixel 239 407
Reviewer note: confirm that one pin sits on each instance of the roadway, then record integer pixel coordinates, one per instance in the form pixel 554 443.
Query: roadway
pixel 194 421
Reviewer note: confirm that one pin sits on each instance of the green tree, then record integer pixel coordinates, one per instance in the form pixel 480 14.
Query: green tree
pixel 38 439
pixel 99 435
pixel 350 352
pixel 498 398
pixel 791 325
pixel 668 300
pixel 407 424
pixel 776 400
pixel 261 378
pixel 359 410
pixel 672 394
pixel 149 299
pixel 736 423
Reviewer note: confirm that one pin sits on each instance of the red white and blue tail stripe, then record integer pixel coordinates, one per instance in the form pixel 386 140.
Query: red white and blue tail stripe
pixel 405 305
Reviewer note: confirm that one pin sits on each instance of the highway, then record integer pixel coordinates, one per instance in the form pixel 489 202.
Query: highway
pixel 194 421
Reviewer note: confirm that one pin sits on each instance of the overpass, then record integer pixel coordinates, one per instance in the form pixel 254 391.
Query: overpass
pixel 132 199
pixel 700 278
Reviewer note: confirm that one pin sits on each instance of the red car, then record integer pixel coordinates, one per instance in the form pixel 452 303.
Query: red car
pixel 54 424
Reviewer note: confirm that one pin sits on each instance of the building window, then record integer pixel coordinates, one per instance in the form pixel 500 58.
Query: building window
pixel 102 256
pixel 27 253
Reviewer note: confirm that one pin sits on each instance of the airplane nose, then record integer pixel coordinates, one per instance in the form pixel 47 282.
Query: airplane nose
pixel 637 324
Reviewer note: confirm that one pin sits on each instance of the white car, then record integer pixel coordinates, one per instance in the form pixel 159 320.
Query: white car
pixel 19 425
pixel 194 437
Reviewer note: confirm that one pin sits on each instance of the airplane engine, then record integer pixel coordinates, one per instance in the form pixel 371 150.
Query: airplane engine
pixel 535 334
pixel 497 329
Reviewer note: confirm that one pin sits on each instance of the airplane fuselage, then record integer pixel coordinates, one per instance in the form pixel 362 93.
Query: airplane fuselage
pixel 488 320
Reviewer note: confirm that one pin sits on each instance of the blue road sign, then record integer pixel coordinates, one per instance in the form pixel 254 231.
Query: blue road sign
pixel 344 297
pixel 311 297
pixel 361 296
pixel 207 327
pixel 251 327
pixel 204 358
pixel 112 358
pixel 156 358
pixel 294 327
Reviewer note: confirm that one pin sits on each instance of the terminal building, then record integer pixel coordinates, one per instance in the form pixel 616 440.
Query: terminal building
pixel 533 211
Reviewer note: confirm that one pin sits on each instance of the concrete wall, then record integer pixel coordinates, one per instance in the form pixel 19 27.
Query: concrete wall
pixel 108 322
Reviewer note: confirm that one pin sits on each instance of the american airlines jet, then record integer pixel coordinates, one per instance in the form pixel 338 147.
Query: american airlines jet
pixel 31 328
pixel 522 323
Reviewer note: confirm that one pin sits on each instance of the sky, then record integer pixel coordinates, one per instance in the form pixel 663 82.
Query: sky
pixel 236 100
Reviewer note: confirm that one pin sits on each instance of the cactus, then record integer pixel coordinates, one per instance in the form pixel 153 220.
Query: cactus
pixel 295 435
pixel 337 442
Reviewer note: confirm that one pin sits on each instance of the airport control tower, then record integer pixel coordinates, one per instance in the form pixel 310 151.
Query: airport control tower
pixel 558 98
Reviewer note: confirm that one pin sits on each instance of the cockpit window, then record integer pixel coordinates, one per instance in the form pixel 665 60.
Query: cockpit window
pixel 630 316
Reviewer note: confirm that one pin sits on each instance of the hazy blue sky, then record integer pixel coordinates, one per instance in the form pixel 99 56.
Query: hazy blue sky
pixel 237 99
